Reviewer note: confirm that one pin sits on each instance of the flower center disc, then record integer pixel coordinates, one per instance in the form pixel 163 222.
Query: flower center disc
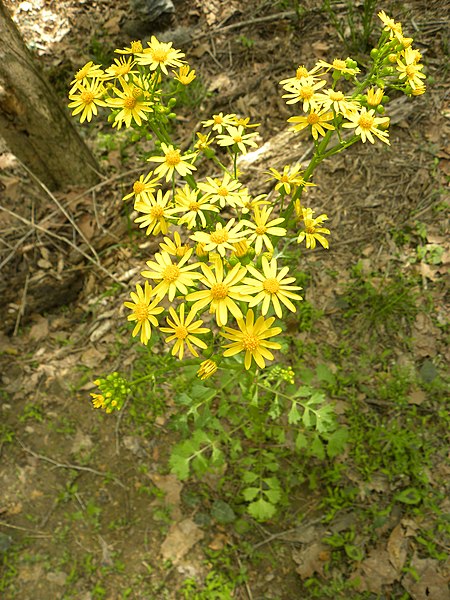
pixel 261 230
pixel 181 332
pixel 219 291
pixel 306 92
pixel 365 121
pixel 219 237
pixel 194 206
pixel 129 102
pixel 313 118
pixel 250 342
pixel 173 158
pixel 222 191
pixel 141 312
pixel 171 273
pixel 271 285
pixel 87 97
pixel 138 187
pixel 159 55
pixel 157 212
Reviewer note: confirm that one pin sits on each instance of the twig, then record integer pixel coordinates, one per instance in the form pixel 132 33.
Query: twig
pixel 119 419
pixel 61 208
pixel 4 524
pixel 70 465
pixel 276 536
pixel 21 310
pixel 275 17
pixel 62 239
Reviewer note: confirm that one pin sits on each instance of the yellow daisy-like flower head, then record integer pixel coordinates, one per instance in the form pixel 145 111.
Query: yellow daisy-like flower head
pixel 88 96
pixel 207 369
pixel 220 121
pixel 237 138
pixel 155 213
pixel 313 229
pixel 160 55
pixel 289 180
pixel 89 70
pixel 374 96
pixel 143 311
pixel 172 162
pixel 121 67
pixel 172 277
pixel 366 125
pixel 189 202
pixel 222 293
pixel 185 75
pixel 395 29
pixel 174 247
pixel 338 65
pixel 144 188
pixel 133 48
pixel 337 101
pixel 203 142
pixel 271 287
pixel 305 92
pixel 222 238
pixel 317 120
pixel 261 228
pixel 225 191
pixel 252 338
pixel 301 74
pixel 133 104
pixel 411 73
pixel 184 330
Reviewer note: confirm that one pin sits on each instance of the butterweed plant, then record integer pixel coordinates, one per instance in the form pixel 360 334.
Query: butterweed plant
pixel 218 287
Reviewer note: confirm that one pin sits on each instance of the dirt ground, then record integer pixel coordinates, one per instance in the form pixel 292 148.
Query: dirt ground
pixel 87 509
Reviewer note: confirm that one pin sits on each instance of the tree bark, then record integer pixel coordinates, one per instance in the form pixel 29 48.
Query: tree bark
pixel 33 122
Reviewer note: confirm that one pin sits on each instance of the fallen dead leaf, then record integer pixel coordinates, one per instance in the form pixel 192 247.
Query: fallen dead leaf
pixel 170 485
pixel 375 572
pixel 431 584
pixel 311 559
pixel 39 330
pixel 397 547
pixel 180 539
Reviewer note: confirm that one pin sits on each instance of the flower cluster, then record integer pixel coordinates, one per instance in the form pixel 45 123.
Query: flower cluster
pixel 217 279
pixel 114 391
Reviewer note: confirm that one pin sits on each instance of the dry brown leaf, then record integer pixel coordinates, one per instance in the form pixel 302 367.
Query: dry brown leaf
pixel 375 572
pixel 417 397
pixel 39 330
pixel 170 485
pixel 311 559
pixel 432 585
pixel 397 547
pixel 180 539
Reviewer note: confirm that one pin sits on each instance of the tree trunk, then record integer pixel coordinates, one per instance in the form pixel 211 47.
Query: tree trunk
pixel 33 122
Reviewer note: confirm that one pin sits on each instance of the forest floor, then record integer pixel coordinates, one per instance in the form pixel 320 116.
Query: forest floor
pixel 88 508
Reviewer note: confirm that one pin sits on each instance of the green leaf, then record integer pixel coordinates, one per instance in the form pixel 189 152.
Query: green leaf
pixel 337 441
pixel 317 448
pixel 323 373
pixel 307 418
pixel 294 416
pixel 300 441
pixel 409 496
pixel 250 493
pixel 273 495
pixel 222 512
pixel 354 552
pixel 261 510
pixel 179 465
pixel 249 477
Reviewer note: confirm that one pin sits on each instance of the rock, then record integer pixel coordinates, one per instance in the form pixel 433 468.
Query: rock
pixel 148 16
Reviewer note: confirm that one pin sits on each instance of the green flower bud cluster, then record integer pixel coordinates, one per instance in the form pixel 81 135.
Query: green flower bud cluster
pixel 114 391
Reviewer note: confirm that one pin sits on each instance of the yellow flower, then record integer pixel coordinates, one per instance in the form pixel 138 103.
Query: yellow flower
pixel 289 179
pixel 411 72
pixel 144 311
pixel 249 203
pixel 183 330
pixel 225 190
pixel 184 75
pixel 173 161
pixel 419 90
pixel 156 213
pixel 122 67
pixel 134 48
pixel 301 74
pixel 340 103
pixel 87 98
pixel 395 29
pixel 262 228
pixel 252 338
pixel 338 65
pixel 133 104
pixel 366 124
pixel 313 229
pixel 222 238
pixel 374 96
pixel 203 141
pixel 143 188
pixel 160 55
pixel 305 92
pixel 98 400
pixel 89 70
pixel 174 247
pixel 271 287
pixel 206 369
pixel 222 292
pixel 187 200
pixel 172 277
pixel 236 136
pixel 218 122
pixel 316 120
